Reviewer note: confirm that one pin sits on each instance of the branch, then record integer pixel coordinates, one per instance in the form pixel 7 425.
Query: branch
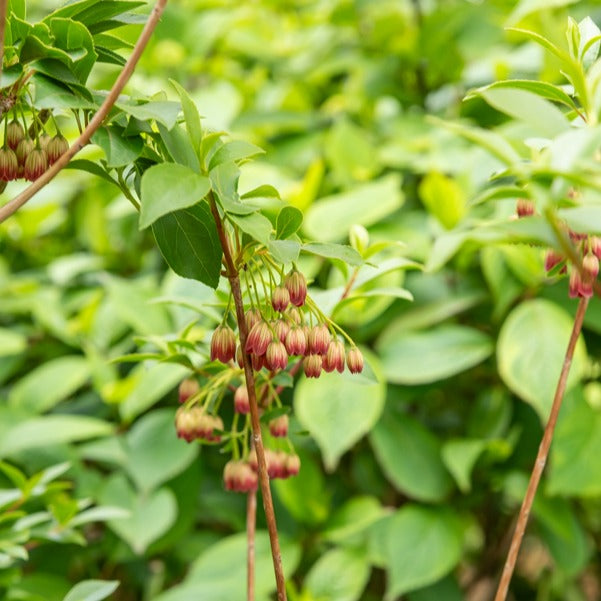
pixel 251 523
pixel 18 201
pixel 3 4
pixel 541 457
pixel 234 279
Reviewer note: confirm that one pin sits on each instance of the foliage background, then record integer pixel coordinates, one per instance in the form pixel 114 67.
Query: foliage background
pixel 408 486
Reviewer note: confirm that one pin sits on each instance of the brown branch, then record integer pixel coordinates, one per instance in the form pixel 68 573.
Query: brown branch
pixel 541 457
pixel 251 523
pixel 3 4
pixel 257 439
pixel 18 201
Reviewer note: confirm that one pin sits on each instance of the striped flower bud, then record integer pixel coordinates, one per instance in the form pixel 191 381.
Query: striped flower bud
pixel 552 259
pixel 334 358
pixel 241 402
pixel 312 366
pixel 35 164
pixel 297 287
pixel 296 341
pixel 23 150
pixel 319 339
pixel 252 316
pixel 223 344
pixel 276 356
pixel 281 328
pixel 293 464
pixel 259 338
pixel 590 266
pixel 278 427
pixel 596 246
pixel 187 389
pixel 354 360
pixel 14 134
pixel 9 167
pixel 44 140
pixel 295 315
pixel 56 148
pixel 525 207
pixel 276 463
pixel 185 423
pixel 258 362
pixel 280 299
pixel 238 476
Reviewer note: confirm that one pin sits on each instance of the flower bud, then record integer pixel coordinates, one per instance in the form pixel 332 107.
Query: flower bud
pixel 187 389
pixel 56 148
pixel 258 362
pixel 281 329
pixel 23 150
pixel 297 287
pixel 9 167
pixel 312 366
pixel 334 358
pixel 276 463
pixel 278 427
pixel 252 316
pixel 276 356
pixel 590 266
pixel 44 140
pixel 295 315
pixel 35 164
pixel 259 338
pixel 280 299
pixel 596 246
pixel 293 464
pixel 552 259
pixel 296 342
pixel 241 402
pixel 14 134
pixel 354 360
pixel 525 207
pixel 240 357
pixel 223 344
pixel 238 476
pixel 319 339
pixel 575 282
pixel 185 422
pixel 359 238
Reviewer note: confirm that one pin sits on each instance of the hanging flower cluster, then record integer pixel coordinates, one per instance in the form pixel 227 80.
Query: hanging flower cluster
pixel 582 276
pixel 285 329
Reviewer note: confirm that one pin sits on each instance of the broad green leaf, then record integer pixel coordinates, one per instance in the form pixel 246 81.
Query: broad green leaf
pixel 530 352
pixel 443 198
pixel 50 383
pixel 161 111
pixel 51 95
pixel 179 146
pixel 49 430
pixel 531 6
pixel 74 39
pixel 224 181
pixel 264 191
pixel 427 356
pixel 334 251
pixel 92 590
pixel 542 116
pixel 191 115
pixel 99 514
pixel 151 515
pixel 459 457
pixel 189 241
pixel 288 222
pixel 255 225
pixel 168 187
pixel 11 342
pixel 119 150
pixel 338 575
pixel 92 11
pixel 338 410
pixel 583 219
pixel 410 457
pixel 154 453
pixel 284 251
pixel 353 518
pixel 423 544
pixel 330 219
pixel 236 150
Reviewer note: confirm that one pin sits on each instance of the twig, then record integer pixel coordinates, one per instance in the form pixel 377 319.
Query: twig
pixel 18 201
pixel 541 458
pixel 234 279
pixel 251 523
pixel 3 4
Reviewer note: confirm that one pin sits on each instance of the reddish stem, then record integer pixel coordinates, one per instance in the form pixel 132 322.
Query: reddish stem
pixel 257 439
pixel 541 458
pixel 251 518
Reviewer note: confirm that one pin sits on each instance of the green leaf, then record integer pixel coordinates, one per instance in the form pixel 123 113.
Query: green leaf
pixel 331 218
pixel 284 251
pixel 255 225
pixel 337 410
pixel 542 116
pixel 288 222
pixel 236 150
pixel 354 517
pixel 155 454
pixel 119 150
pixel 51 95
pixel 74 39
pixel 460 456
pixel 50 383
pixel 583 219
pixel 164 112
pixel 410 457
pixel 423 545
pixel 531 349
pixel 50 430
pixel 151 515
pixel 334 251
pixel 443 198
pixel 191 115
pixel 189 241
pixel 179 146
pixel 423 357
pixel 11 342
pixel 532 35
pixel 92 11
pixel 224 180
pixel 338 575
pixel 168 187
pixel 92 590
pixel 264 191
pixel 524 8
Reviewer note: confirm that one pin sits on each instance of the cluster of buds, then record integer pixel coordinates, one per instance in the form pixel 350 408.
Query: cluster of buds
pixel 194 423
pixel 279 463
pixel 582 276
pixel 23 157
pixel 239 476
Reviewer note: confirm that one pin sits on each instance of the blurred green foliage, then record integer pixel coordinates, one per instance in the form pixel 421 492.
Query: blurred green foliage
pixel 408 485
